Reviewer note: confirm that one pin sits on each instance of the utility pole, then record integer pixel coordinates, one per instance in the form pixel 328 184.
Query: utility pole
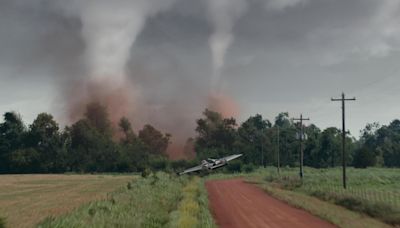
pixel 343 99
pixel 262 148
pixel 301 143
pixel 278 151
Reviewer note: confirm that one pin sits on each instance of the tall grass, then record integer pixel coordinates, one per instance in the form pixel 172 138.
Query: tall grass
pixel 159 200
pixel 145 202
pixel 193 208
pixel 374 191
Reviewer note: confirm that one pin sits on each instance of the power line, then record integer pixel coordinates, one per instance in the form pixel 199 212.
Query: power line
pixel 343 99
pixel 301 143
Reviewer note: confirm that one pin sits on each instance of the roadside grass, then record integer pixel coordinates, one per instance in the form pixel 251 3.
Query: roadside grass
pixel 374 192
pixel 193 210
pixel 205 216
pixel 332 213
pixel 25 200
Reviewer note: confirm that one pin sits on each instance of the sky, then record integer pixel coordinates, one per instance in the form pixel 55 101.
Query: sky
pixel 170 56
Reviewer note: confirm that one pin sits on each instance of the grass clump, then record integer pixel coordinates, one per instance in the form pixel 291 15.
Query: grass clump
pixel 2 222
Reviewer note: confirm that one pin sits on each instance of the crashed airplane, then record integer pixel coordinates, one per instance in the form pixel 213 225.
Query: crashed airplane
pixel 211 164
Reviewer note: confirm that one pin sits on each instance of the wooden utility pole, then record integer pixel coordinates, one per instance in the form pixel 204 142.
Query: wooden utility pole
pixel 278 159
pixel 301 143
pixel 262 148
pixel 343 99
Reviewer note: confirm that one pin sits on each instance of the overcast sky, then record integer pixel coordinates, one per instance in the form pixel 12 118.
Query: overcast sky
pixel 282 55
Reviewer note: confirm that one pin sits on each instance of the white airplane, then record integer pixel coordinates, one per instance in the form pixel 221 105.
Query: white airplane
pixel 211 164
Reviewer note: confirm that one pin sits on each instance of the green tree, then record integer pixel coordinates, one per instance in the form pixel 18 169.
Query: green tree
pixel 97 116
pixel 133 152
pixel 91 150
pixel 330 148
pixel 156 142
pixel 216 135
pixel 12 134
pixel 126 128
pixel 44 137
pixel 364 157
pixel 387 144
pixel 312 146
pixel 283 121
pixel 25 161
pixel 289 144
pixel 254 140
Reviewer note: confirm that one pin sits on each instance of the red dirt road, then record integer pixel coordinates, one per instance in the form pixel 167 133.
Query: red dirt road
pixel 238 204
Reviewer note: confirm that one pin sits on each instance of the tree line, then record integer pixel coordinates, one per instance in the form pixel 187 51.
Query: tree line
pixel 92 144
pixel 88 145
pixel 260 140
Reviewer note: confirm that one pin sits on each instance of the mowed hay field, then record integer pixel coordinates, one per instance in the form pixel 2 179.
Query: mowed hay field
pixel 25 200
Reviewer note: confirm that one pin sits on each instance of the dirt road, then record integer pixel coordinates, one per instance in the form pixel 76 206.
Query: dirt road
pixel 238 204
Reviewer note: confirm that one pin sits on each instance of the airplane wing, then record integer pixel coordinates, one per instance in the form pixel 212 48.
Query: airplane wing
pixel 193 169
pixel 218 166
pixel 231 157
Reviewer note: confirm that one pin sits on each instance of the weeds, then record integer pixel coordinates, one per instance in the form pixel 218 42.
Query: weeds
pixel 2 222
pixel 193 208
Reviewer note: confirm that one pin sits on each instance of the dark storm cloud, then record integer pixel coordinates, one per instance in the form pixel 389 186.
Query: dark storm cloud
pixel 286 55
pixel 37 36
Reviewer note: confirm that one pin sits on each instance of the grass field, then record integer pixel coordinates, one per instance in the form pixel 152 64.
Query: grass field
pixel 374 191
pixel 165 200
pixel 160 200
pixel 25 200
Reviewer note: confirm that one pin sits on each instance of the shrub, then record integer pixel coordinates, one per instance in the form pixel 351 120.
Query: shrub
pixel 234 166
pixel 146 172
pixel 2 222
pixel 129 185
pixel 159 164
pixel 179 165
pixel 248 168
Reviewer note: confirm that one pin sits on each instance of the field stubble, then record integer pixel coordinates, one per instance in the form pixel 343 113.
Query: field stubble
pixel 25 200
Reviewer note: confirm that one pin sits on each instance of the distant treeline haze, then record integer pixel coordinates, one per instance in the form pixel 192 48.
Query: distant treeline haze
pixel 91 145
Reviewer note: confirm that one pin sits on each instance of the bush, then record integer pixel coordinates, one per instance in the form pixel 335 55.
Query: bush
pixel 159 164
pixel 145 173
pixel 2 222
pixel 179 165
pixel 234 166
pixel 248 168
